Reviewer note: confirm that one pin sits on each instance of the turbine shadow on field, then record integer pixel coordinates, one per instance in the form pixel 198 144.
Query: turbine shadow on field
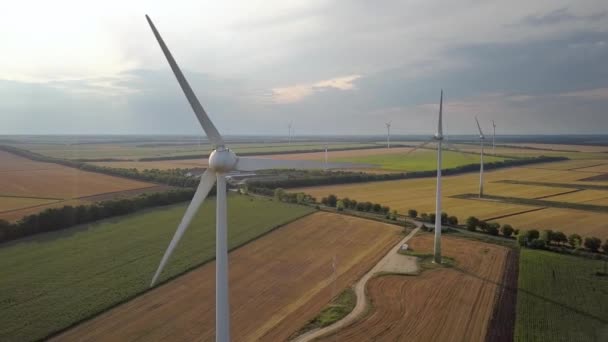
pixel 517 290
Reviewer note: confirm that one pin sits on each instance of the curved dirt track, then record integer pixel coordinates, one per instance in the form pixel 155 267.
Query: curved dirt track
pixel 277 284
pixel 447 304
pixel 390 262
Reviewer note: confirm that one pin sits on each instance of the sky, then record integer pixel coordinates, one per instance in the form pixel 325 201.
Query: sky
pixel 329 67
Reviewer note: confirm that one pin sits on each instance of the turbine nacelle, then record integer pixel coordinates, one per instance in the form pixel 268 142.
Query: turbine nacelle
pixel 438 136
pixel 222 160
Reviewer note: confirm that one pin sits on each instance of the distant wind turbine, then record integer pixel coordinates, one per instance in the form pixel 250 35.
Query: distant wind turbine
pixel 221 161
pixel 494 138
pixel 481 139
pixel 388 134
pixel 289 127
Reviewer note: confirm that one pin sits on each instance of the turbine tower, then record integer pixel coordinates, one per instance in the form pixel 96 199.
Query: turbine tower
pixel 221 161
pixel 388 135
pixel 494 138
pixel 289 127
pixel 439 138
pixel 481 139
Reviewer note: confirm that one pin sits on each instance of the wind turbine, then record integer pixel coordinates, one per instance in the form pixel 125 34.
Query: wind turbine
pixel 481 139
pixel 221 161
pixel 388 134
pixel 439 138
pixel 494 138
pixel 289 133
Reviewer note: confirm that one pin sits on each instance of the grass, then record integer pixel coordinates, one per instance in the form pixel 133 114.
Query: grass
pixel 51 281
pixel 421 160
pixel 425 260
pixel 339 308
pixel 560 298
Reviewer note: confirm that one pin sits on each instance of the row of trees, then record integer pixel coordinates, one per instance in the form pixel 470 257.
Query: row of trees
pixel 53 219
pixel 293 197
pixel 430 218
pixel 534 239
pixel 309 178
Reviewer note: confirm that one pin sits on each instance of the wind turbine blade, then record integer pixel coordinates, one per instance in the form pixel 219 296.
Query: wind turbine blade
pixel 212 132
pixel 419 146
pixel 253 164
pixel 479 127
pixel 207 181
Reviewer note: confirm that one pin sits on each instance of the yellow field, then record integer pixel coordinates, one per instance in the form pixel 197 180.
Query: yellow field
pixel 569 221
pixel 419 194
pixel 158 164
pixel 596 168
pixel 575 148
pixel 13 203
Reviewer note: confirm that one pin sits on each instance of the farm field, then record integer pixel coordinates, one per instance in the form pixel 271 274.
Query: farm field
pixel 565 147
pixel 292 282
pixel 568 305
pixel 569 221
pixel 137 150
pixel 419 194
pixel 27 184
pixel 50 281
pixel 462 298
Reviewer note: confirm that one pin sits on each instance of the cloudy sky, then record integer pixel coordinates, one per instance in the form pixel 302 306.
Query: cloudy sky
pixel 330 67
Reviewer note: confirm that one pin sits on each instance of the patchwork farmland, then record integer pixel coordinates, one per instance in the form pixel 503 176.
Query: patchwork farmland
pixel 292 282
pixel 28 186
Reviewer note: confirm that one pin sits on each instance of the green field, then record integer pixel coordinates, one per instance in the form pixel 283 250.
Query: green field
pixel 170 149
pixel 571 307
pixel 421 160
pixel 50 281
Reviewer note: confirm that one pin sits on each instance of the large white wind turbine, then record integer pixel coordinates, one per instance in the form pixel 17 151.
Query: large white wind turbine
pixel 439 138
pixel 481 139
pixel 388 134
pixel 494 138
pixel 221 161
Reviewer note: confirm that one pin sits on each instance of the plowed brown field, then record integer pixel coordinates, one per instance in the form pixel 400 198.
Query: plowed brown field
pixel 28 186
pixel 446 304
pixel 277 284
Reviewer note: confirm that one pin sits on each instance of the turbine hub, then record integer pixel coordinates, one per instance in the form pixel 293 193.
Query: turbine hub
pixel 222 160
pixel 438 136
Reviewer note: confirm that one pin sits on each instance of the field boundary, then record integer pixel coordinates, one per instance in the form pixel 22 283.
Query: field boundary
pixel 502 324
pixel 167 280
pixel 536 202
pixel 556 185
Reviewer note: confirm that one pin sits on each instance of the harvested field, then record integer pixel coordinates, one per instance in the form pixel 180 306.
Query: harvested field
pixel 292 282
pixel 444 304
pixel 565 147
pixel 569 221
pixel 583 196
pixel 30 185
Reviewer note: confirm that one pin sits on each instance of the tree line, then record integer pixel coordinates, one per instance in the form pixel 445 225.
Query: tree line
pixel 53 219
pixel 558 242
pixel 318 177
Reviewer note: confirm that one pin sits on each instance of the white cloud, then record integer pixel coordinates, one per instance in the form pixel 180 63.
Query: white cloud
pixel 298 92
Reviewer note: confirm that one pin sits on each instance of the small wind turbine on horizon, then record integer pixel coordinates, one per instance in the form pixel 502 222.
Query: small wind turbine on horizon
pixel 388 134
pixel 494 138
pixel 221 161
pixel 482 137
pixel 289 132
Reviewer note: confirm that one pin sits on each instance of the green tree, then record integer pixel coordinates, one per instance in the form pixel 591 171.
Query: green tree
pixel 546 235
pixel 493 228
pixel 483 225
pixel 507 230
pixel 559 237
pixel 432 217
pixel 605 246
pixel 593 243
pixel 340 205
pixel 532 234
pixel 279 193
pixel 300 197
pixel 472 223
pixel 522 239
pixel 332 200
pixel 574 240
pixel 412 213
pixel 453 221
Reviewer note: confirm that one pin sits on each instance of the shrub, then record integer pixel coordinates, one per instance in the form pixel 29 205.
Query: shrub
pixel 559 237
pixel 432 217
pixel 522 239
pixel 453 221
pixel 483 225
pixel 472 223
pixel 605 246
pixel 574 240
pixel 533 234
pixel 506 230
pixel 537 244
pixel 493 228
pixel 332 200
pixel 546 235
pixel 424 217
pixel 593 243
pixel 412 213
pixel 444 218
pixel 340 205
